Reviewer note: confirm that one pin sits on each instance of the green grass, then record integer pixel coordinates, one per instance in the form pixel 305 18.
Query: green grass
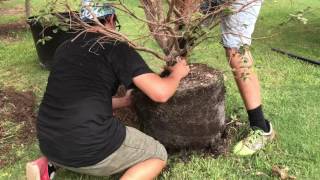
pixel 290 91
pixel 36 5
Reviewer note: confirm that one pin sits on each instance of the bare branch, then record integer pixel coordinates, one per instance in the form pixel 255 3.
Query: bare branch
pixel 176 25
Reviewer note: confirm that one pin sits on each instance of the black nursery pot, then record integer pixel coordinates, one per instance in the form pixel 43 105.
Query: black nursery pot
pixel 46 51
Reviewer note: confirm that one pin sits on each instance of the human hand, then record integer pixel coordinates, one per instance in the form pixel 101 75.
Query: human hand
pixel 127 98
pixel 181 69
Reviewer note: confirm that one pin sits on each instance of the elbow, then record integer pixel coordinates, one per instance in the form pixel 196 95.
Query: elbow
pixel 160 97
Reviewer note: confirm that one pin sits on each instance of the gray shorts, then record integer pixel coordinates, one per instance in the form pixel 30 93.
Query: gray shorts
pixel 237 28
pixel 137 147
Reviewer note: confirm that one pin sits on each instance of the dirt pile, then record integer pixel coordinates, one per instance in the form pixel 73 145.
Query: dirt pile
pixel 17 122
pixel 20 24
pixel 5 29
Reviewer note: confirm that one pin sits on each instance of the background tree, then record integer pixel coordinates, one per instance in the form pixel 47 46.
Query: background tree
pixel 28 8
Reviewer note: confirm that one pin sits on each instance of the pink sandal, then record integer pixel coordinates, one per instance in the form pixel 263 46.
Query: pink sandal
pixel 39 170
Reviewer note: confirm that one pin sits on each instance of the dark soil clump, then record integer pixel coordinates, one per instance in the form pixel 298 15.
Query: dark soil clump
pixel 126 115
pixel 17 10
pixel 5 29
pixel 194 118
pixel 17 121
pixel 222 148
pixel 200 77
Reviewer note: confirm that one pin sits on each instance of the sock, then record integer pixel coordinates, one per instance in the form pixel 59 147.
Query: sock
pixel 256 119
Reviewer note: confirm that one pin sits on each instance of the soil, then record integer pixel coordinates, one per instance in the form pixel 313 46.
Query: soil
pixel 200 76
pixel 227 139
pixel 194 118
pixel 129 117
pixel 6 29
pixel 12 11
pixel 17 109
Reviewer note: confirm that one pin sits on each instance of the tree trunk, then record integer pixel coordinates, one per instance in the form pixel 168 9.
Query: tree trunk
pixel 167 26
pixel 28 8
pixel 154 13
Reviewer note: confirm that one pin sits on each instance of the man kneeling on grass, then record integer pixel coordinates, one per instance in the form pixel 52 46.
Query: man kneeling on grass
pixel 76 127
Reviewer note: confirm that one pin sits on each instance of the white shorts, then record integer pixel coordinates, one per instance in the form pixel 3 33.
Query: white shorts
pixel 237 28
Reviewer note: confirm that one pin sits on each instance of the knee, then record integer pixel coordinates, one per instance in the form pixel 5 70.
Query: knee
pixel 162 153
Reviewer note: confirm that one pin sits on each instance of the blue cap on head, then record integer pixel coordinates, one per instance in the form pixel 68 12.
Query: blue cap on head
pixel 100 10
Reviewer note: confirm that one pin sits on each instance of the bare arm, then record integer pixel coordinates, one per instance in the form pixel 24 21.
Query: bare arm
pixel 121 102
pixel 161 89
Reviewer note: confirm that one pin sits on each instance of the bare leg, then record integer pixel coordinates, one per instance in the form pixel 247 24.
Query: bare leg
pixel 247 81
pixel 145 170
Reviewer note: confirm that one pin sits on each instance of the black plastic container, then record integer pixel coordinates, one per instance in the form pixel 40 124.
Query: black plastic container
pixel 46 51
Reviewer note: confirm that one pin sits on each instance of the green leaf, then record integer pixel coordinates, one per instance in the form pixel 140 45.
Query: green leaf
pixel 227 11
pixel 64 28
pixel 47 38
pixel 66 20
pixel 55 30
pixel 42 41
pixel 57 23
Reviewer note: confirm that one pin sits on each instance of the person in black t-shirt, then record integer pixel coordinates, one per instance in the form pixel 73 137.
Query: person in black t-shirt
pixel 76 127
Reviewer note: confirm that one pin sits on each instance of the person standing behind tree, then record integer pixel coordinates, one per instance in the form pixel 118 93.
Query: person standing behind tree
pixel 237 29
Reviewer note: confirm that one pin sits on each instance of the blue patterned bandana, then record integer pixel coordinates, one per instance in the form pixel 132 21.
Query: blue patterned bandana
pixel 100 10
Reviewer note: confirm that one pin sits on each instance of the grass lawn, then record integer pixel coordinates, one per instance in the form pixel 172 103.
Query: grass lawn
pixel 290 91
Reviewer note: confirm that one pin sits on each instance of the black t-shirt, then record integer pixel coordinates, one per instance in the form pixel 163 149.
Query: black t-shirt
pixel 75 124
